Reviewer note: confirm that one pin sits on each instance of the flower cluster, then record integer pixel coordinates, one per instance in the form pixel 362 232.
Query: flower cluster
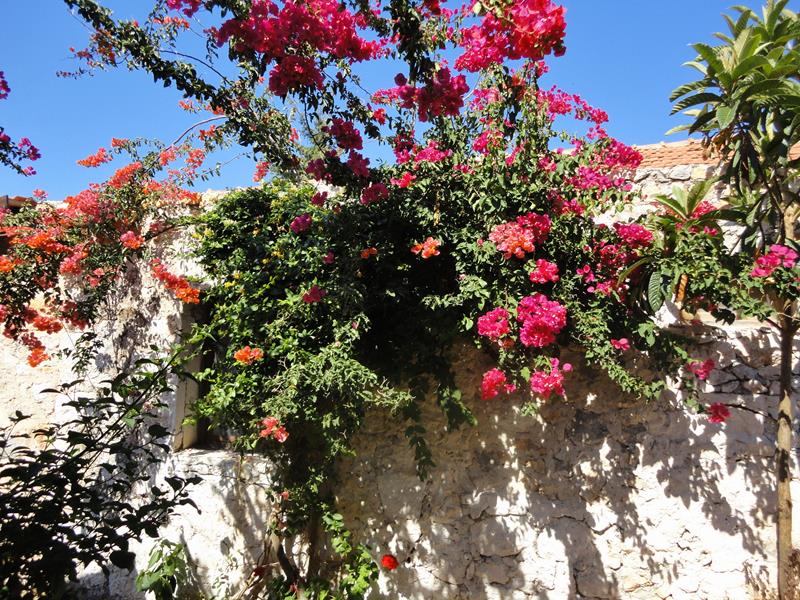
pixel 131 240
pixel 5 90
pixel 547 383
pixel 374 193
pixel 718 413
pixel 248 355
pixel 274 429
pixel 542 320
pixel 346 135
pixel 494 324
pixel 545 272
pixel 516 238
pixel 701 370
pixel 95 160
pixel 428 248
pixel 315 294
pixel 525 29
pixel 178 285
pixel 493 383
pixel 281 32
pixel 777 257
pixel 301 223
pixel 634 235
pixel 443 95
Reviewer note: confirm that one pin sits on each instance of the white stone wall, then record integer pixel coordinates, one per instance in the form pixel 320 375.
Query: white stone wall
pixel 599 496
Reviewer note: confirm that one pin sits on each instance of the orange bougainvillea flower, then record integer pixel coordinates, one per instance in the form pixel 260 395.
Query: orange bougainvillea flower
pixel 428 248
pixel 96 159
pixel 389 562
pixel 248 355
pixel 274 429
pixel 367 252
pixel 6 264
pixel 37 356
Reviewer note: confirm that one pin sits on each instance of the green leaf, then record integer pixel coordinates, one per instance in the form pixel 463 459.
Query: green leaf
pixel 654 295
pixel 725 116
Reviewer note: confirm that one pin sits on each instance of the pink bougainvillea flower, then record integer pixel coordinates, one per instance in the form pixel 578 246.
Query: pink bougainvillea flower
pixel 131 240
pixel 493 383
pixel 96 159
pixel 374 193
pixel 545 272
pixel 545 384
pixel 634 235
pixel 262 168
pixel 428 248
pixel 301 223
pixel 621 344
pixel 315 294
pixel 516 238
pixel 701 369
pixel 494 324
pixel 778 256
pixel 280 434
pixel 319 198
pixel 248 355
pixel 718 413
pixel 403 182
pixel 542 320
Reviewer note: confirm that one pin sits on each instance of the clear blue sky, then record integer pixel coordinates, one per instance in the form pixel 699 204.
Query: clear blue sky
pixel 622 55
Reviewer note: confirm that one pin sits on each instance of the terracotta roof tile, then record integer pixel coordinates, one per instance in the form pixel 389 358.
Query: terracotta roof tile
pixel 687 152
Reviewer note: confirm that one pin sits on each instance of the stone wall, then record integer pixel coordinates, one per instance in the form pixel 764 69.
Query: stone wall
pixel 599 496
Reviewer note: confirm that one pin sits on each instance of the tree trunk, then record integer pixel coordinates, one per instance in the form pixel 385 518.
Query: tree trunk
pixel 784 456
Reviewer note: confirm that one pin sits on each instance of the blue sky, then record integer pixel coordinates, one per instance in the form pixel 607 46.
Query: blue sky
pixel 622 55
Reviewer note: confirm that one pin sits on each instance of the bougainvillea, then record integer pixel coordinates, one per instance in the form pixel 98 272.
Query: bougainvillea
pixel 325 304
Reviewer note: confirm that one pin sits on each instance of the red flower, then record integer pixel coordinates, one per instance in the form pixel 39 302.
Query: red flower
pixel 545 272
pixel 494 324
pixel 248 355
pixel 717 413
pixel 301 223
pixel 367 252
pixel 701 369
pixel 273 428
pixel 262 168
pixel 389 562
pixel 315 294
pixel 494 382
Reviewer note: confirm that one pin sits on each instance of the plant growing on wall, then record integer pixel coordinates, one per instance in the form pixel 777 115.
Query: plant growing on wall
pixel 339 287
pixel 67 492
pixel 747 105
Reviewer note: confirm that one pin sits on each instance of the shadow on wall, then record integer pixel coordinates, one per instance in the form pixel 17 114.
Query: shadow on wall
pixel 599 497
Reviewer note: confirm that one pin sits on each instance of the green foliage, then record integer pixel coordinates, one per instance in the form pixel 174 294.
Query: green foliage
pixel 164 569
pixel 70 503
pixel 749 110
